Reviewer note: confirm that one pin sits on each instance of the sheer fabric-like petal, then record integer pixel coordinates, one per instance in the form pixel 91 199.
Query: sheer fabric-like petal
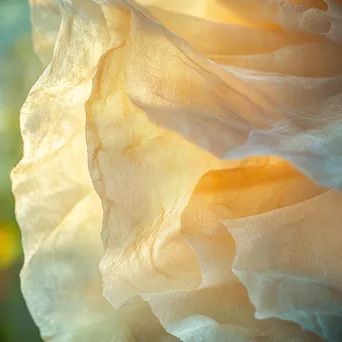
pixel 45 18
pixel 57 207
pixel 280 97
pixel 166 201
pixel 221 314
pixel 296 277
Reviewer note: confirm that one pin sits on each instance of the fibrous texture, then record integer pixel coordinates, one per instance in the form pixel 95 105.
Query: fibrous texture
pixel 205 138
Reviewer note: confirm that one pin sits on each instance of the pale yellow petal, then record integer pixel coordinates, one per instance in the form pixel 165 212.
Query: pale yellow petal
pixel 57 207
pixel 144 175
pixel 221 314
pixel 289 261
pixel 45 18
pixel 252 187
pixel 274 103
pixel 165 198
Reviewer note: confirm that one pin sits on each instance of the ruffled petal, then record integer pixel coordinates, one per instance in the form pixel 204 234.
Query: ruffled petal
pixel 144 175
pixel 57 207
pixel 252 187
pixel 221 314
pixel 165 199
pixel 45 19
pixel 288 260
pixel 282 100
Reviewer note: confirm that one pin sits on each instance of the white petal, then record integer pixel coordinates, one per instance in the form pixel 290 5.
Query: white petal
pixel 57 207
pixel 45 18
pixel 221 314
pixel 289 260
pixel 144 175
pixel 269 102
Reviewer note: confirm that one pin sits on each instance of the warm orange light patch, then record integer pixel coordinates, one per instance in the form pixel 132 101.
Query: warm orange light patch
pixel 234 12
pixel 219 11
pixel 256 186
pixel 320 4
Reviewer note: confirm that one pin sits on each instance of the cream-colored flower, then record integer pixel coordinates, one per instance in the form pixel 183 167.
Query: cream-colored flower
pixel 212 132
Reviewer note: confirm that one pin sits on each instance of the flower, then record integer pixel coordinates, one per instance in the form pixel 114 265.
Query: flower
pixel 204 138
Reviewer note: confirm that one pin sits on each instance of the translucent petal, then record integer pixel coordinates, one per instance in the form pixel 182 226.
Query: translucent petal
pixel 165 198
pixel 288 260
pixel 221 314
pixel 57 207
pixel 144 175
pixel 45 18
pixel 253 187
pixel 237 101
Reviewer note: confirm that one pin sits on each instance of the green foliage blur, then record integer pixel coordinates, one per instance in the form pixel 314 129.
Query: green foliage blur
pixel 19 69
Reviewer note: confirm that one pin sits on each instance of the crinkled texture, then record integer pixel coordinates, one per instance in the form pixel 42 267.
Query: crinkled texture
pixel 263 99
pixel 221 314
pixel 45 18
pixel 57 207
pixel 298 267
pixel 162 170
pixel 212 132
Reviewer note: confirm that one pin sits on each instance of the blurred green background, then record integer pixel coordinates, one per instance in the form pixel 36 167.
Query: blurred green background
pixel 19 69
